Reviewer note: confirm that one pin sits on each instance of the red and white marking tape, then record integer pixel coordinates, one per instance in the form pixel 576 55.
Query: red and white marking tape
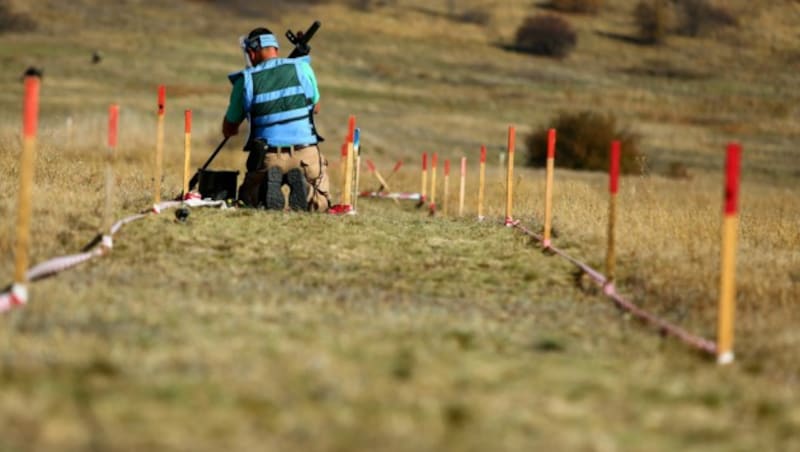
pixel 663 326
pixel 17 295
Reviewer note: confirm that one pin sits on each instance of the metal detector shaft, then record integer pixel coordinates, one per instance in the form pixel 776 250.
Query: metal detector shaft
pixel 196 178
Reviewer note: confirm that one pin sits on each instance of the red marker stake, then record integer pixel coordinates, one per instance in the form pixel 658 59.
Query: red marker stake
pixel 381 180
pixel 394 170
pixel 351 128
pixel 510 176
pixel 548 191
pixel 434 162
pixel 462 187
pixel 347 192
pixel 343 162
pixel 446 196
pixel 727 292
pixel 481 182
pixel 30 123
pixel 113 125
pixel 187 149
pixel 423 191
pixel 613 186
pixel 162 100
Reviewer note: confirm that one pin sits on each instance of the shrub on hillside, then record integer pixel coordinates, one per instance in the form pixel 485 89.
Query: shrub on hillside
pixel 11 21
pixel 698 16
pixel 653 18
pixel 477 16
pixel 584 142
pixel 547 35
pixel 577 6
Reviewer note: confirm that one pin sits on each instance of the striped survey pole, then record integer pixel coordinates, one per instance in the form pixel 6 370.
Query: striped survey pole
pixel 434 162
pixel 27 168
pixel 348 165
pixel 113 128
pixel 462 186
pixel 613 188
pixel 162 99
pixel 548 188
pixel 424 187
pixel 727 290
pixel 357 168
pixel 510 176
pixel 481 182
pixel 446 194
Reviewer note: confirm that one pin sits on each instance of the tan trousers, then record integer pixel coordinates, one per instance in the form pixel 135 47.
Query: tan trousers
pixel 309 160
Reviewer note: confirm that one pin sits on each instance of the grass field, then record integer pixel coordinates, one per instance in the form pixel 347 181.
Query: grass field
pixel 393 330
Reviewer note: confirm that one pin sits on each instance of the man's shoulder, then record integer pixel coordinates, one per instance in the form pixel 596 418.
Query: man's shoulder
pixel 235 76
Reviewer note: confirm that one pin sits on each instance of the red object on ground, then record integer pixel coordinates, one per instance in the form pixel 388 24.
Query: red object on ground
pixel 732 175
pixel 30 107
pixel 616 151
pixel 340 209
pixel 113 124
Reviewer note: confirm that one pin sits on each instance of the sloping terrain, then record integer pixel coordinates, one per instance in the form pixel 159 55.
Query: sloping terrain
pixel 393 330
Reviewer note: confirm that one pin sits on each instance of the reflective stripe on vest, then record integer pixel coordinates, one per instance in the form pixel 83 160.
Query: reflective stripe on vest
pixel 274 96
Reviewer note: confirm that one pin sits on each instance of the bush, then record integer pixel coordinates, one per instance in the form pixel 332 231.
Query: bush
pixel 577 6
pixel 584 142
pixel 11 21
pixel 546 35
pixel 697 16
pixel 477 16
pixel 653 18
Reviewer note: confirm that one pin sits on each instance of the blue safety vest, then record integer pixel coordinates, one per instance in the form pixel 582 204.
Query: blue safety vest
pixel 278 101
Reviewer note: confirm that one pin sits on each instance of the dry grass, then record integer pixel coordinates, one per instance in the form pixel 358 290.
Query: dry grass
pixel 392 330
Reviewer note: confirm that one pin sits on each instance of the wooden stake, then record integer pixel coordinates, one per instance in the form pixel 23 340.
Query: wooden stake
pixel 187 149
pixel 343 164
pixel 510 176
pixel 424 188
pixel 727 291
pixel 162 99
pixel 446 196
pixel 113 125
pixel 381 180
pixel 481 182
pixel 349 161
pixel 434 162
pixel 613 188
pixel 357 152
pixel 70 132
pixel 548 191
pixel 27 167
pixel 462 187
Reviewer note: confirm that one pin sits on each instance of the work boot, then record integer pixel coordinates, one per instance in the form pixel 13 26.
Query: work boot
pixel 298 198
pixel 273 198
